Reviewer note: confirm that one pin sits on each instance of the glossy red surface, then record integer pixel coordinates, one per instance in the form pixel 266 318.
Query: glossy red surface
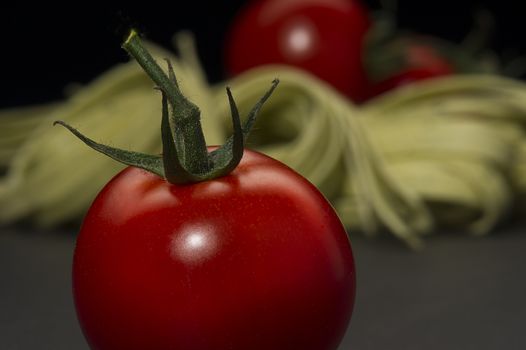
pixel 254 260
pixel 421 62
pixel 324 37
pixel 406 77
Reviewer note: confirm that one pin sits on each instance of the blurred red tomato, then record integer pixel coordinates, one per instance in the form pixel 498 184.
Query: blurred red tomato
pixel 427 59
pixel 419 62
pixel 324 37
pixel 405 77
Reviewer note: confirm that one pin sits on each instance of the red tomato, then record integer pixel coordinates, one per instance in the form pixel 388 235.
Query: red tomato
pixel 405 77
pixel 324 37
pixel 416 61
pixel 419 56
pixel 253 260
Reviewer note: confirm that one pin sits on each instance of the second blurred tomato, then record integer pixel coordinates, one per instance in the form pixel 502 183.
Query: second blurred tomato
pixel 324 37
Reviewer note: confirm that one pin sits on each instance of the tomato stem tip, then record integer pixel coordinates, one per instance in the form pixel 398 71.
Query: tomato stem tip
pixel 185 158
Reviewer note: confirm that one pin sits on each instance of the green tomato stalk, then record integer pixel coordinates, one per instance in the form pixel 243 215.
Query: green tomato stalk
pixel 185 158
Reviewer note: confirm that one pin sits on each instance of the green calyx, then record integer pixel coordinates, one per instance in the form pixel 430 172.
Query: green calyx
pixel 185 158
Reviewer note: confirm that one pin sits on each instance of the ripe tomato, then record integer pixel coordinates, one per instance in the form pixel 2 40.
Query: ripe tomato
pixel 324 37
pixel 408 60
pixel 420 56
pixel 254 260
pixel 405 77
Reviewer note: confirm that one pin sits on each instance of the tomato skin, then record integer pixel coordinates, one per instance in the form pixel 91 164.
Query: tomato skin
pixel 324 37
pixel 254 260
pixel 406 77
pixel 428 59
pixel 419 61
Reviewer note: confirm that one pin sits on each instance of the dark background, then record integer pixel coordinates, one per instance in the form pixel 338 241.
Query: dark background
pixel 45 48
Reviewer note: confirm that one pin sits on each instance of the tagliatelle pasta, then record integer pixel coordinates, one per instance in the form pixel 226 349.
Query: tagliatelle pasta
pixel 448 151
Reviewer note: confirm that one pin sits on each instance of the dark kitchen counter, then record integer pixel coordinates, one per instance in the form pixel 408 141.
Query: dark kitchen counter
pixel 459 293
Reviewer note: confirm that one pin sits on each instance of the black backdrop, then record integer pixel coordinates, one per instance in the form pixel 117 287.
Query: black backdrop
pixel 45 48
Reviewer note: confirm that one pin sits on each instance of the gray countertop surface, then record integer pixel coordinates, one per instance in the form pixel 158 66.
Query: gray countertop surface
pixel 459 293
